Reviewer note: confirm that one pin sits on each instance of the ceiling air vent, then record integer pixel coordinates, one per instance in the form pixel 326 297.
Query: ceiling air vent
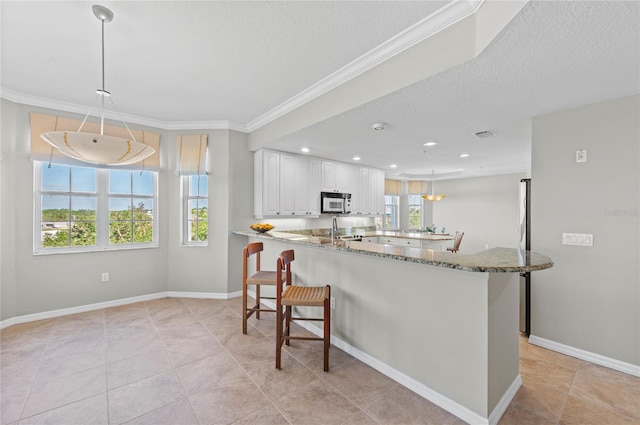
pixel 485 134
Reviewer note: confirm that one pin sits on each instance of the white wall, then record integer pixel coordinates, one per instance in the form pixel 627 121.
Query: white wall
pixel 484 208
pixel 33 284
pixel 590 299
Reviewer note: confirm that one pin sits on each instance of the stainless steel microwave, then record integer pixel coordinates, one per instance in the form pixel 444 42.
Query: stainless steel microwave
pixel 334 202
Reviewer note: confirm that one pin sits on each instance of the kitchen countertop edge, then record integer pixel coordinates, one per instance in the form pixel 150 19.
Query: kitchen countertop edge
pixel 494 260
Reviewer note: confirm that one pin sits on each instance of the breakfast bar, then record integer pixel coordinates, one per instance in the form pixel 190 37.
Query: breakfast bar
pixel 444 325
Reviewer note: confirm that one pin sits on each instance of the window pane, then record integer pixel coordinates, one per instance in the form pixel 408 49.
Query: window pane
pixel 142 231
pixel 198 185
pixel 83 233
pixel 83 208
pixel 119 232
pixel 143 183
pixel 83 179
pixel 414 217
pixel 55 236
pixel 55 178
pixel 120 209
pixel 55 208
pixel 119 181
pixel 143 209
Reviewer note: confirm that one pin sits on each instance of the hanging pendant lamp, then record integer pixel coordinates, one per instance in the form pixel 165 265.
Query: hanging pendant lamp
pixel 99 148
pixel 433 197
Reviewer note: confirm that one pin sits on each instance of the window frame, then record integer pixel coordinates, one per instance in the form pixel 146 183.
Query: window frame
pixel 185 214
pixel 102 196
pixel 396 207
pixel 421 206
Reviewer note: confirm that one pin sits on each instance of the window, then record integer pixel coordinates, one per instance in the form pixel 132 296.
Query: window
pixel 390 212
pixel 195 209
pixel 415 211
pixel 81 209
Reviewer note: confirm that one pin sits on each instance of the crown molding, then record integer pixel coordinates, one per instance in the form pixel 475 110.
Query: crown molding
pixel 420 31
pixel 423 29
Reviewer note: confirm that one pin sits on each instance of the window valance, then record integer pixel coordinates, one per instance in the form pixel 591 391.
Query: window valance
pixel 415 188
pixel 192 154
pixel 392 187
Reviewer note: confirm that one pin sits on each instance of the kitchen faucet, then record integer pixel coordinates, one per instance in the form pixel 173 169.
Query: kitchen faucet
pixel 334 227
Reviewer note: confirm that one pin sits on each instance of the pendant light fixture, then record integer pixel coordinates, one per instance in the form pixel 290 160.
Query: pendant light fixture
pixel 99 148
pixel 433 197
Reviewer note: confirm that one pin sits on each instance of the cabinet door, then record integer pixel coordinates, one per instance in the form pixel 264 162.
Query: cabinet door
pixel 314 183
pixel 376 191
pixel 328 176
pixel 364 190
pixel 342 178
pixel 287 181
pixel 270 183
pixel 354 190
pixel 301 186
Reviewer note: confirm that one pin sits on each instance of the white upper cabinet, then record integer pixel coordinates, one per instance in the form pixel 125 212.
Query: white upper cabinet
pixel 266 184
pixel 335 177
pixel 288 185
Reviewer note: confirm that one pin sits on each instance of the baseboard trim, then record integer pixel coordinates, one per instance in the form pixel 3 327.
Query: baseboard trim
pixel 588 356
pixel 419 388
pixel 114 303
pixel 205 295
pixel 505 400
pixel 79 309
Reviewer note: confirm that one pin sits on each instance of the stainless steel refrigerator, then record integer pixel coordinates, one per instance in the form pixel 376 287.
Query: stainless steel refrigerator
pixel 525 245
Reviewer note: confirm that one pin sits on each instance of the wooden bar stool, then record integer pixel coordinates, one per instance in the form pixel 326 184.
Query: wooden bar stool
pixel 456 242
pixel 290 296
pixel 260 277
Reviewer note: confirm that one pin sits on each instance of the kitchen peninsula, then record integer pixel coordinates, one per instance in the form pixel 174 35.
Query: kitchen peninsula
pixel 444 325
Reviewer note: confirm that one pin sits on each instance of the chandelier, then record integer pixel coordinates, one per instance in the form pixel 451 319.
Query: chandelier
pixel 433 197
pixel 99 148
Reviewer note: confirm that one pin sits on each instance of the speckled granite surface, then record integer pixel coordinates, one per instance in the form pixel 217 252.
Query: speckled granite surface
pixel 495 260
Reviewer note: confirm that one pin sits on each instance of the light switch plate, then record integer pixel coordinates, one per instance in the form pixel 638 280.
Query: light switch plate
pixel 581 155
pixel 578 239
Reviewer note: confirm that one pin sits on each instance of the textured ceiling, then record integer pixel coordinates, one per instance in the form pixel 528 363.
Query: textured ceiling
pixel 235 61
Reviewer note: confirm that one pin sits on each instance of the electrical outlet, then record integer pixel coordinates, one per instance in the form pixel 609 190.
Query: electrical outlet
pixel 333 303
pixel 579 239
pixel 105 277
pixel 581 155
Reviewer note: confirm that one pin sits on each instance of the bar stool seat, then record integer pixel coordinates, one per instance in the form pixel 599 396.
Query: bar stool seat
pixel 289 296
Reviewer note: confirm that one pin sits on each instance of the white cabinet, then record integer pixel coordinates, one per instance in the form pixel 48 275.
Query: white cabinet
pixel 365 192
pixel 335 177
pixel 387 240
pixel 286 185
pixel 266 187
pixel 376 192
pixel 354 190
pixel 409 242
pixel 371 239
pixel 313 186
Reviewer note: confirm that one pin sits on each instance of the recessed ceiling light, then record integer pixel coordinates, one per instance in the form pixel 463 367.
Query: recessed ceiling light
pixel 430 143
pixel 356 158
pixel 378 126
pixel 305 150
pixel 393 166
pixel 464 155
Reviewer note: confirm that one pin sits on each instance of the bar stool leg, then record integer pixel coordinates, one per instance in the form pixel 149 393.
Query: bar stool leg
pixel 278 336
pixel 258 302
pixel 327 330
pixel 287 327
pixel 244 309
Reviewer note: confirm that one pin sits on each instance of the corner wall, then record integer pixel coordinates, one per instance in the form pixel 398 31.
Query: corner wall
pixel 484 208
pixel 590 299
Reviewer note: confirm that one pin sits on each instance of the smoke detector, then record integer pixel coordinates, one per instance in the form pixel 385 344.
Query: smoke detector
pixel 485 134
pixel 379 126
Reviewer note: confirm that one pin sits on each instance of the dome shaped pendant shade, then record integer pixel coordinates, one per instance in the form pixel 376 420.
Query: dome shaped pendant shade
pixel 97 148
pixel 432 197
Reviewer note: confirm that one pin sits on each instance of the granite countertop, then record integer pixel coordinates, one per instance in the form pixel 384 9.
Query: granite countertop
pixel 495 260
pixel 411 235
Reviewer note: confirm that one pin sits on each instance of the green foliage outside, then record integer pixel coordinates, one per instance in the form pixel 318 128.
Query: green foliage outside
pixel 125 227
pixel 414 217
pixel 199 224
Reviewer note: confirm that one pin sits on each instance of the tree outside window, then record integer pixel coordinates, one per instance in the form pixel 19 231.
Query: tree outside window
pixel 415 211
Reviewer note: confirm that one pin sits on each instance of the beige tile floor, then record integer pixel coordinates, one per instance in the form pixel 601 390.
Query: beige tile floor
pixel 185 361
